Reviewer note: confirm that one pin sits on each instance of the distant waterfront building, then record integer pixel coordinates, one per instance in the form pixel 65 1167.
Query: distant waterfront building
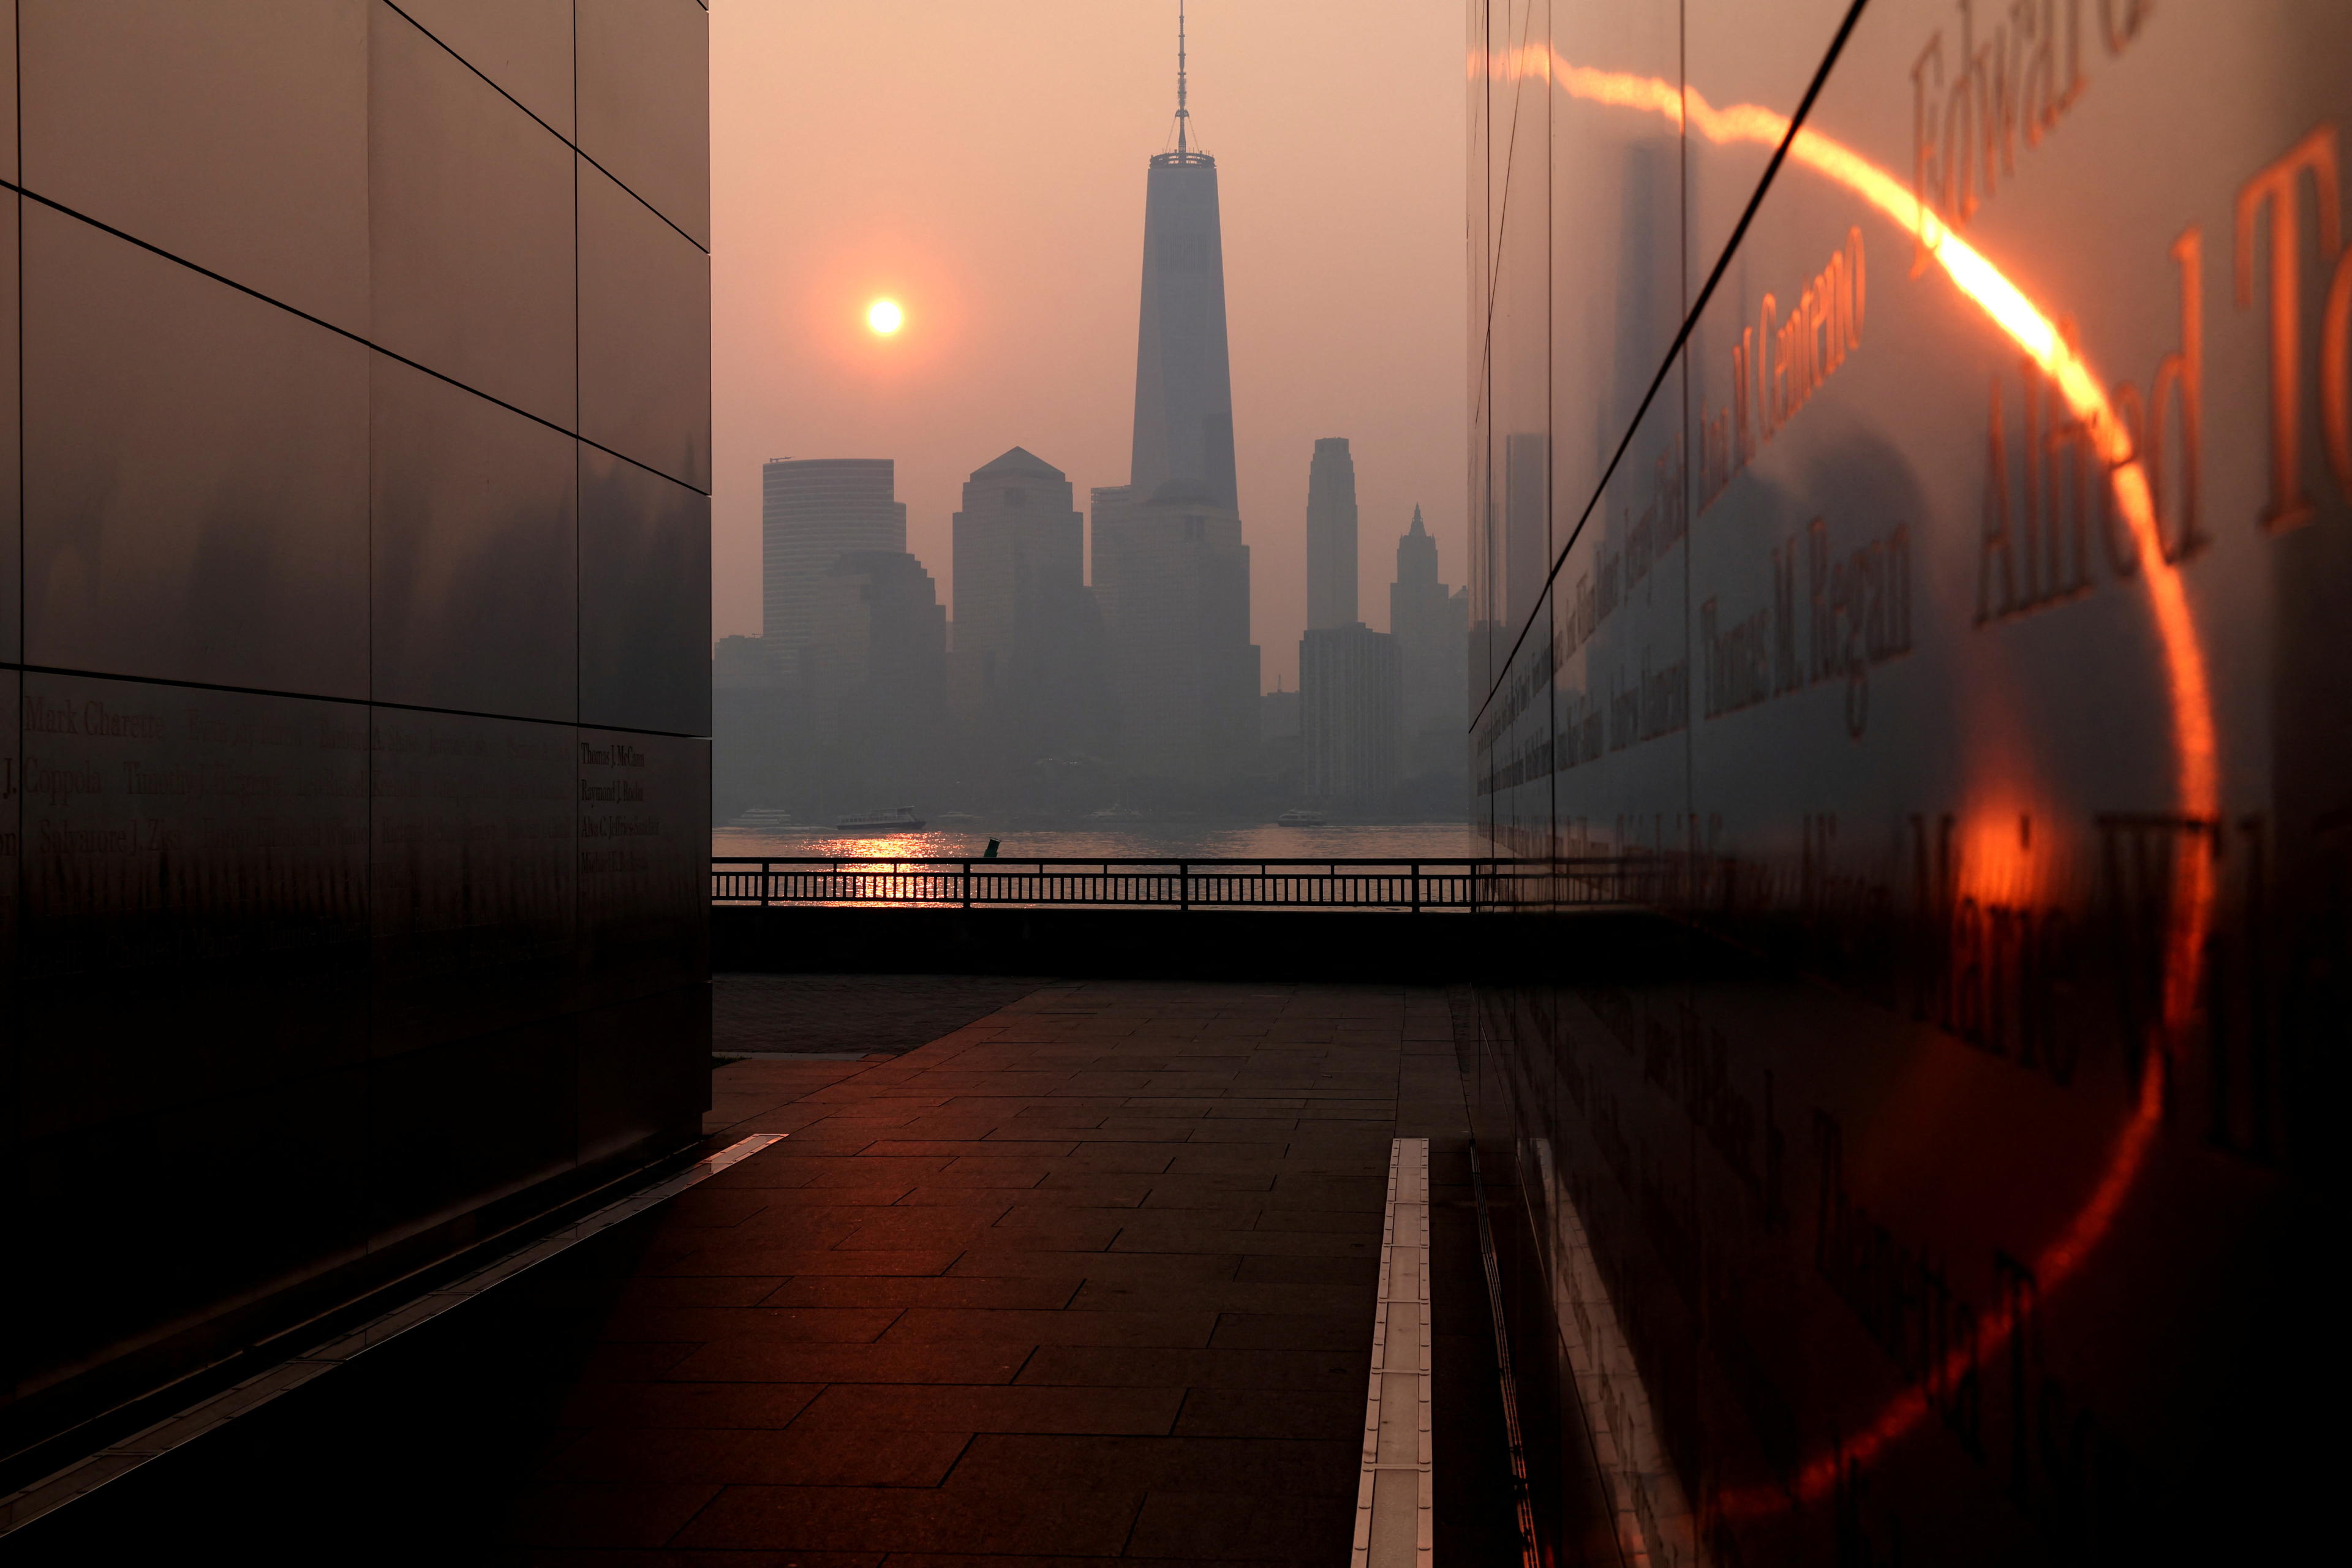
pixel 1277 715
pixel 1171 573
pixel 1279 750
pixel 1019 543
pixel 1348 687
pixel 1331 535
pixel 751 731
pixel 874 675
pixel 1024 676
pixel 811 512
pixel 1431 625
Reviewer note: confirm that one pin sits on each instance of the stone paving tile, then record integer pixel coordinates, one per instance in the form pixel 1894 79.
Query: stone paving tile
pixel 934 1291
pixel 755 1456
pixel 652 1406
pixel 1016 1518
pixel 852 1012
pixel 1267 1412
pixel 1086 1280
pixel 1086 1412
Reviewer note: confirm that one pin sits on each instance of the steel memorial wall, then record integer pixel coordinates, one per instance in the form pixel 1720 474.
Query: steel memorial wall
pixel 1913 447
pixel 353 607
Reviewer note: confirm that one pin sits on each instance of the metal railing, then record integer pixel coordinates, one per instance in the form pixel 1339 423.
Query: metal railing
pixel 1466 886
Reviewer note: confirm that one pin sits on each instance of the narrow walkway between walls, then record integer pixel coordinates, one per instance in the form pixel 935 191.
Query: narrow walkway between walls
pixel 1091 1279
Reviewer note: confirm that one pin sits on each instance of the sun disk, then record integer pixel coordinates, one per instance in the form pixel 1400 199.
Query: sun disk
pixel 885 317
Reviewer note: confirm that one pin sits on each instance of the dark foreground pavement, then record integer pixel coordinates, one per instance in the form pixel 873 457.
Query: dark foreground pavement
pixel 1088 1279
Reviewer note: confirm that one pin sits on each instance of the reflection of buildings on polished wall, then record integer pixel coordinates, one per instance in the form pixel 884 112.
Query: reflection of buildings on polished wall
pixel 357 428
pixel 1970 689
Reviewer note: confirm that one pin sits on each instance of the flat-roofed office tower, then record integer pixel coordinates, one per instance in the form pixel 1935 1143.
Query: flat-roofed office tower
pixel 1183 385
pixel 1171 573
pixel 1331 535
pixel 813 511
pixel 354 656
pixel 1348 691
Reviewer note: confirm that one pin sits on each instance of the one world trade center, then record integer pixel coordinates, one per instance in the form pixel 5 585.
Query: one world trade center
pixel 1171 570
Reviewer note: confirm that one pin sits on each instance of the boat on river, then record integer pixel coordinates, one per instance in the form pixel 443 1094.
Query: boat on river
pixel 1299 816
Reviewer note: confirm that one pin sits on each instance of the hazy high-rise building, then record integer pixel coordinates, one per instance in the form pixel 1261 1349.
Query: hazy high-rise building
pixel 1025 676
pixel 1019 543
pixel 755 740
pixel 1183 384
pixel 1348 693
pixel 874 673
pixel 1331 535
pixel 1171 573
pixel 1431 625
pixel 811 512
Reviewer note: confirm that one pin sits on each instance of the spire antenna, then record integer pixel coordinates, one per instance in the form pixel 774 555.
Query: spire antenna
pixel 1182 113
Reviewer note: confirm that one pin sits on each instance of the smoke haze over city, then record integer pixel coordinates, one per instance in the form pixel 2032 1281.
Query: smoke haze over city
pixel 984 167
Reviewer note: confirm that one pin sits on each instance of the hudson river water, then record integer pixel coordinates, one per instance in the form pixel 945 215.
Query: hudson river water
pixel 1128 841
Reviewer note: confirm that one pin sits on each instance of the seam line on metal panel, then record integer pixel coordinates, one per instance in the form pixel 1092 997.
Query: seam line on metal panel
pixel 1673 353
pixel 346 701
pixel 346 333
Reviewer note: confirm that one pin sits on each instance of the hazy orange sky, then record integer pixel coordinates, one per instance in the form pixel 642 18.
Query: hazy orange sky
pixel 983 164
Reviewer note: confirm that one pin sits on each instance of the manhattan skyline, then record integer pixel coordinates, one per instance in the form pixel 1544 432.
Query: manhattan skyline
pixel 999 204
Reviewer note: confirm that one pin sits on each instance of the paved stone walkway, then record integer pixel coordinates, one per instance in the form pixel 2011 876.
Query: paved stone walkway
pixel 846 1014
pixel 1089 1279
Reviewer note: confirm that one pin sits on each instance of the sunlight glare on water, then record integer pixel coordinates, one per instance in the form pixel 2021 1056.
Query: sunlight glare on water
pixel 1137 841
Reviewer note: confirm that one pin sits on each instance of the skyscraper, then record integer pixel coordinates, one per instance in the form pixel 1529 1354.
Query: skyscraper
pixel 1183 385
pixel 1347 690
pixel 1018 543
pixel 1170 571
pixel 873 671
pixel 1431 631
pixel 1331 535
pixel 1025 675
pixel 811 512
pixel 1171 575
